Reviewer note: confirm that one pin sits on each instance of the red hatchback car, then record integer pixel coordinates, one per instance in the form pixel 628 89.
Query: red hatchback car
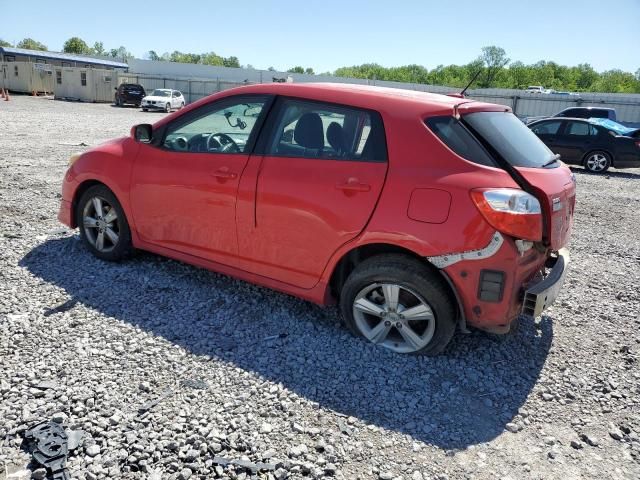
pixel 416 212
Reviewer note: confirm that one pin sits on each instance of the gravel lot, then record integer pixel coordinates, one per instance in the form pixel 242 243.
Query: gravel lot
pixel 284 381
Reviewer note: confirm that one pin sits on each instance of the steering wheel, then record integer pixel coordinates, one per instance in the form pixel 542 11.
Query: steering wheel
pixel 223 143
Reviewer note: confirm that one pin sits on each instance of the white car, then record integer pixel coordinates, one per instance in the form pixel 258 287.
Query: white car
pixel 536 89
pixel 163 99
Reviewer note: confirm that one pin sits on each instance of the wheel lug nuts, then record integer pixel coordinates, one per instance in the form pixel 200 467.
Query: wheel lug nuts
pixel 387 323
pixel 398 325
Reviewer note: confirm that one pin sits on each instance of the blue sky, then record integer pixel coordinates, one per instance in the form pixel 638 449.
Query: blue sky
pixel 331 33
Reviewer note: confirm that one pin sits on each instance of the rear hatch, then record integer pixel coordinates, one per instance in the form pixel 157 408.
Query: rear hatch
pixel 533 166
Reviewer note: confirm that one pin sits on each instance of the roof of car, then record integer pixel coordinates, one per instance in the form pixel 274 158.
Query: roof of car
pixel 586 108
pixel 393 101
pixel 366 90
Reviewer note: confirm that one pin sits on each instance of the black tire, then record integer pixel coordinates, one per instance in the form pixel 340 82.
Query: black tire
pixel 410 274
pixel 597 161
pixel 118 104
pixel 181 105
pixel 167 108
pixel 123 248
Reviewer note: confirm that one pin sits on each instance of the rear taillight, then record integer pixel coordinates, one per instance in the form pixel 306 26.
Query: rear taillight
pixel 510 211
pixel 638 144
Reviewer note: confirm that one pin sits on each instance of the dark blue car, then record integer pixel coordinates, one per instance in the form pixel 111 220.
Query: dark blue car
pixel 595 143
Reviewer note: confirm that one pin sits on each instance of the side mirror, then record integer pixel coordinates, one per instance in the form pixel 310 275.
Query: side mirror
pixel 142 133
pixel 115 88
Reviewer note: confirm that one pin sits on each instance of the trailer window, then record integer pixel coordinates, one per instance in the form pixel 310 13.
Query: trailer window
pixel 59 77
pixel 83 79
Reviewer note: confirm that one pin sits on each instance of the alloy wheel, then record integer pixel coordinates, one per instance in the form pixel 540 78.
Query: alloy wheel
pixel 597 162
pixel 101 224
pixel 394 317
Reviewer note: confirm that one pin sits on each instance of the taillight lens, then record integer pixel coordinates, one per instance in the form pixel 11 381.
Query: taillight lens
pixel 510 211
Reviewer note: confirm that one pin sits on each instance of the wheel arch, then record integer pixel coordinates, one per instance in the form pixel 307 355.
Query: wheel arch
pixel 352 258
pixel 605 150
pixel 83 187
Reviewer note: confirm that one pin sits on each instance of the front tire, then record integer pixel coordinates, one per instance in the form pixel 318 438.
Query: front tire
pixel 597 162
pixel 103 226
pixel 167 108
pixel 397 302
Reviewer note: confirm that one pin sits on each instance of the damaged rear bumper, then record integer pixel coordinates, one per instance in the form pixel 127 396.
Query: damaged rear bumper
pixel 540 296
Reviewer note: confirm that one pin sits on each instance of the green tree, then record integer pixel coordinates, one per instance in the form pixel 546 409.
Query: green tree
pixel 4 43
pixel 31 44
pixel 616 81
pixel 152 55
pixel 309 71
pixel 98 48
pixel 297 69
pixel 75 45
pixel 120 52
pixel 494 59
pixel 231 62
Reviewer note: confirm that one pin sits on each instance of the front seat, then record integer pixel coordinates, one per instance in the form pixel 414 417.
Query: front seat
pixel 309 133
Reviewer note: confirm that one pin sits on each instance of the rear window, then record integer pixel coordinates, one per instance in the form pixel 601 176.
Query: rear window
pixel 132 88
pixel 510 138
pixel 456 136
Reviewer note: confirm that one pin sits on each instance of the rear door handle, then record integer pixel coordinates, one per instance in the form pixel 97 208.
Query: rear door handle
pixel 353 185
pixel 224 173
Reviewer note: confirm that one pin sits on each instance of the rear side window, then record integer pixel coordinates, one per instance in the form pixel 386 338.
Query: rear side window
pixel 510 138
pixel 580 129
pixel 456 136
pixel 320 130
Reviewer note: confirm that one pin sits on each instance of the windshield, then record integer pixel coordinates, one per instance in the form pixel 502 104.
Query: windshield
pixel 613 126
pixel 161 93
pixel 510 138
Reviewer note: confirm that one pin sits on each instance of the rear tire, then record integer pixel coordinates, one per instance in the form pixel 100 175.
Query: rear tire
pixel 597 161
pixel 397 302
pixel 103 226
pixel 145 109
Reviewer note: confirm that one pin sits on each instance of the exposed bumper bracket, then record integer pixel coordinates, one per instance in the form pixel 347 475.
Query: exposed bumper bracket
pixel 541 295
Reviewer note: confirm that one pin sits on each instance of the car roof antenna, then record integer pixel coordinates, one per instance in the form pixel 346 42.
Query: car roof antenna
pixel 469 84
pixel 461 94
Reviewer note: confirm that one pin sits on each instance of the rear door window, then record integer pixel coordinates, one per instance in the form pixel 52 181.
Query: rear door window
pixel 580 129
pixel 510 138
pixel 310 129
pixel 458 138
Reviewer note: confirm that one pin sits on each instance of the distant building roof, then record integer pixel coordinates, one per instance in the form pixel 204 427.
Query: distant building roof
pixel 68 57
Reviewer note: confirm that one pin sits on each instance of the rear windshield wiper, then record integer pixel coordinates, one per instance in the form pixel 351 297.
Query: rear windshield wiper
pixel 553 160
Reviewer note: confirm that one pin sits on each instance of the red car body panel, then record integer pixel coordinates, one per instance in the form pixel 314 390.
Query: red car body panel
pixel 285 223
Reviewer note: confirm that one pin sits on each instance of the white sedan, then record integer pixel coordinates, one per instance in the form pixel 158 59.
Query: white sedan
pixel 163 99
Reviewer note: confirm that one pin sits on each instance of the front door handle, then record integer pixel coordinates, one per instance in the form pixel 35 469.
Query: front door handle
pixel 353 185
pixel 224 173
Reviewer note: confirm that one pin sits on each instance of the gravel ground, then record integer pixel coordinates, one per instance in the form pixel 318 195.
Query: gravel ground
pixel 246 373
